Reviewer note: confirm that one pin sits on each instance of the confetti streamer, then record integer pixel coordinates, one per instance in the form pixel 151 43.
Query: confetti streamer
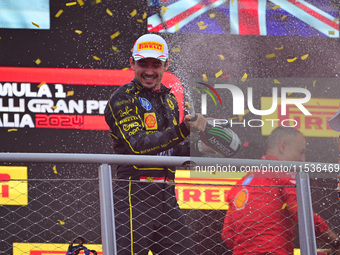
pixel 176 50
pixel 42 83
pixel 113 36
pixel 283 17
pixel 331 32
pixel 221 57
pixel 114 48
pixel 35 24
pixel 240 117
pixel 204 77
pixel 38 61
pixel 218 74
pixel 70 93
pixel 80 2
pixel 12 130
pixel 61 222
pixel 96 58
pixel 140 20
pixel 212 15
pixel 126 68
pixel 163 10
pixel 59 13
pixel 335 20
pixel 272 55
pixel 276 7
pixel 54 107
pixel 281 48
pixel 289 93
pixel 55 169
pixel 133 13
pixel 78 32
pixel 109 12
pixel 225 76
pixel 98 1
pixel 284 206
pixel 244 78
pixel 314 82
pixel 201 25
pixel 276 81
pixel 71 3
pixel 290 60
pixel 145 15
pixel 177 27
pixel 246 144
pixel 304 57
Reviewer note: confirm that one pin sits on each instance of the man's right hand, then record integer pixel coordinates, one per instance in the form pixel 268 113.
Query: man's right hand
pixel 198 124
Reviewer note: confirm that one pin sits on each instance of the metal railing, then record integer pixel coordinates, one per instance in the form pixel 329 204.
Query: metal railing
pixel 306 233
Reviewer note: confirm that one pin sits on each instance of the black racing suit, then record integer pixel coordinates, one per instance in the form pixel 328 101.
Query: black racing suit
pixel 143 121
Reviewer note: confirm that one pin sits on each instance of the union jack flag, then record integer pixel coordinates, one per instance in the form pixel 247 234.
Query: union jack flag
pixel 245 17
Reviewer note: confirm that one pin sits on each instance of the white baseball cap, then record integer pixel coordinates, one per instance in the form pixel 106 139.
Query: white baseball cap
pixel 150 46
pixel 334 122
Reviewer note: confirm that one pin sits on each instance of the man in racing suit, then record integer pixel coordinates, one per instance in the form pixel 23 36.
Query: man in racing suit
pixel 261 218
pixel 143 116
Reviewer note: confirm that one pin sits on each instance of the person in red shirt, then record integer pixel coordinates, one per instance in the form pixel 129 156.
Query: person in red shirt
pixel 261 217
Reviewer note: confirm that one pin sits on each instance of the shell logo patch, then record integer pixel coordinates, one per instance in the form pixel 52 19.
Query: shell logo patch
pixel 150 121
pixel 171 104
pixel 241 199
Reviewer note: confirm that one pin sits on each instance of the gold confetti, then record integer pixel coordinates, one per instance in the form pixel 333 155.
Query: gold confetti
pixel 80 2
pixel 96 58
pixel 276 7
pixel 176 50
pixel 218 74
pixel 42 83
pixel 54 107
pixel 70 93
pixel 113 36
pixel 283 17
pixel 272 55
pixel 163 10
pixel 331 32
pixel 304 57
pixel 55 169
pixel 71 3
pixel 204 77
pixel 290 60
pixel 133 13
pixel 12 130
pixel 78 31
pixel 109 12
pixel 281 48
pixel 114 48
pixel 61 222
pixel 240 117
pixel 244 78
pixel 177 27
pixel 221 57
pixel 212 15
pixel 289 93
pixel 145 15
pixel 140 20
pixel 335 20
pixel 98 1
pixel 38 61
pixel 201 25
pixel 59 13
pixel 126 68
pixel 314 82
pixel 284 206
pixel 276 81
pixel 35 24
pixel 232 1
